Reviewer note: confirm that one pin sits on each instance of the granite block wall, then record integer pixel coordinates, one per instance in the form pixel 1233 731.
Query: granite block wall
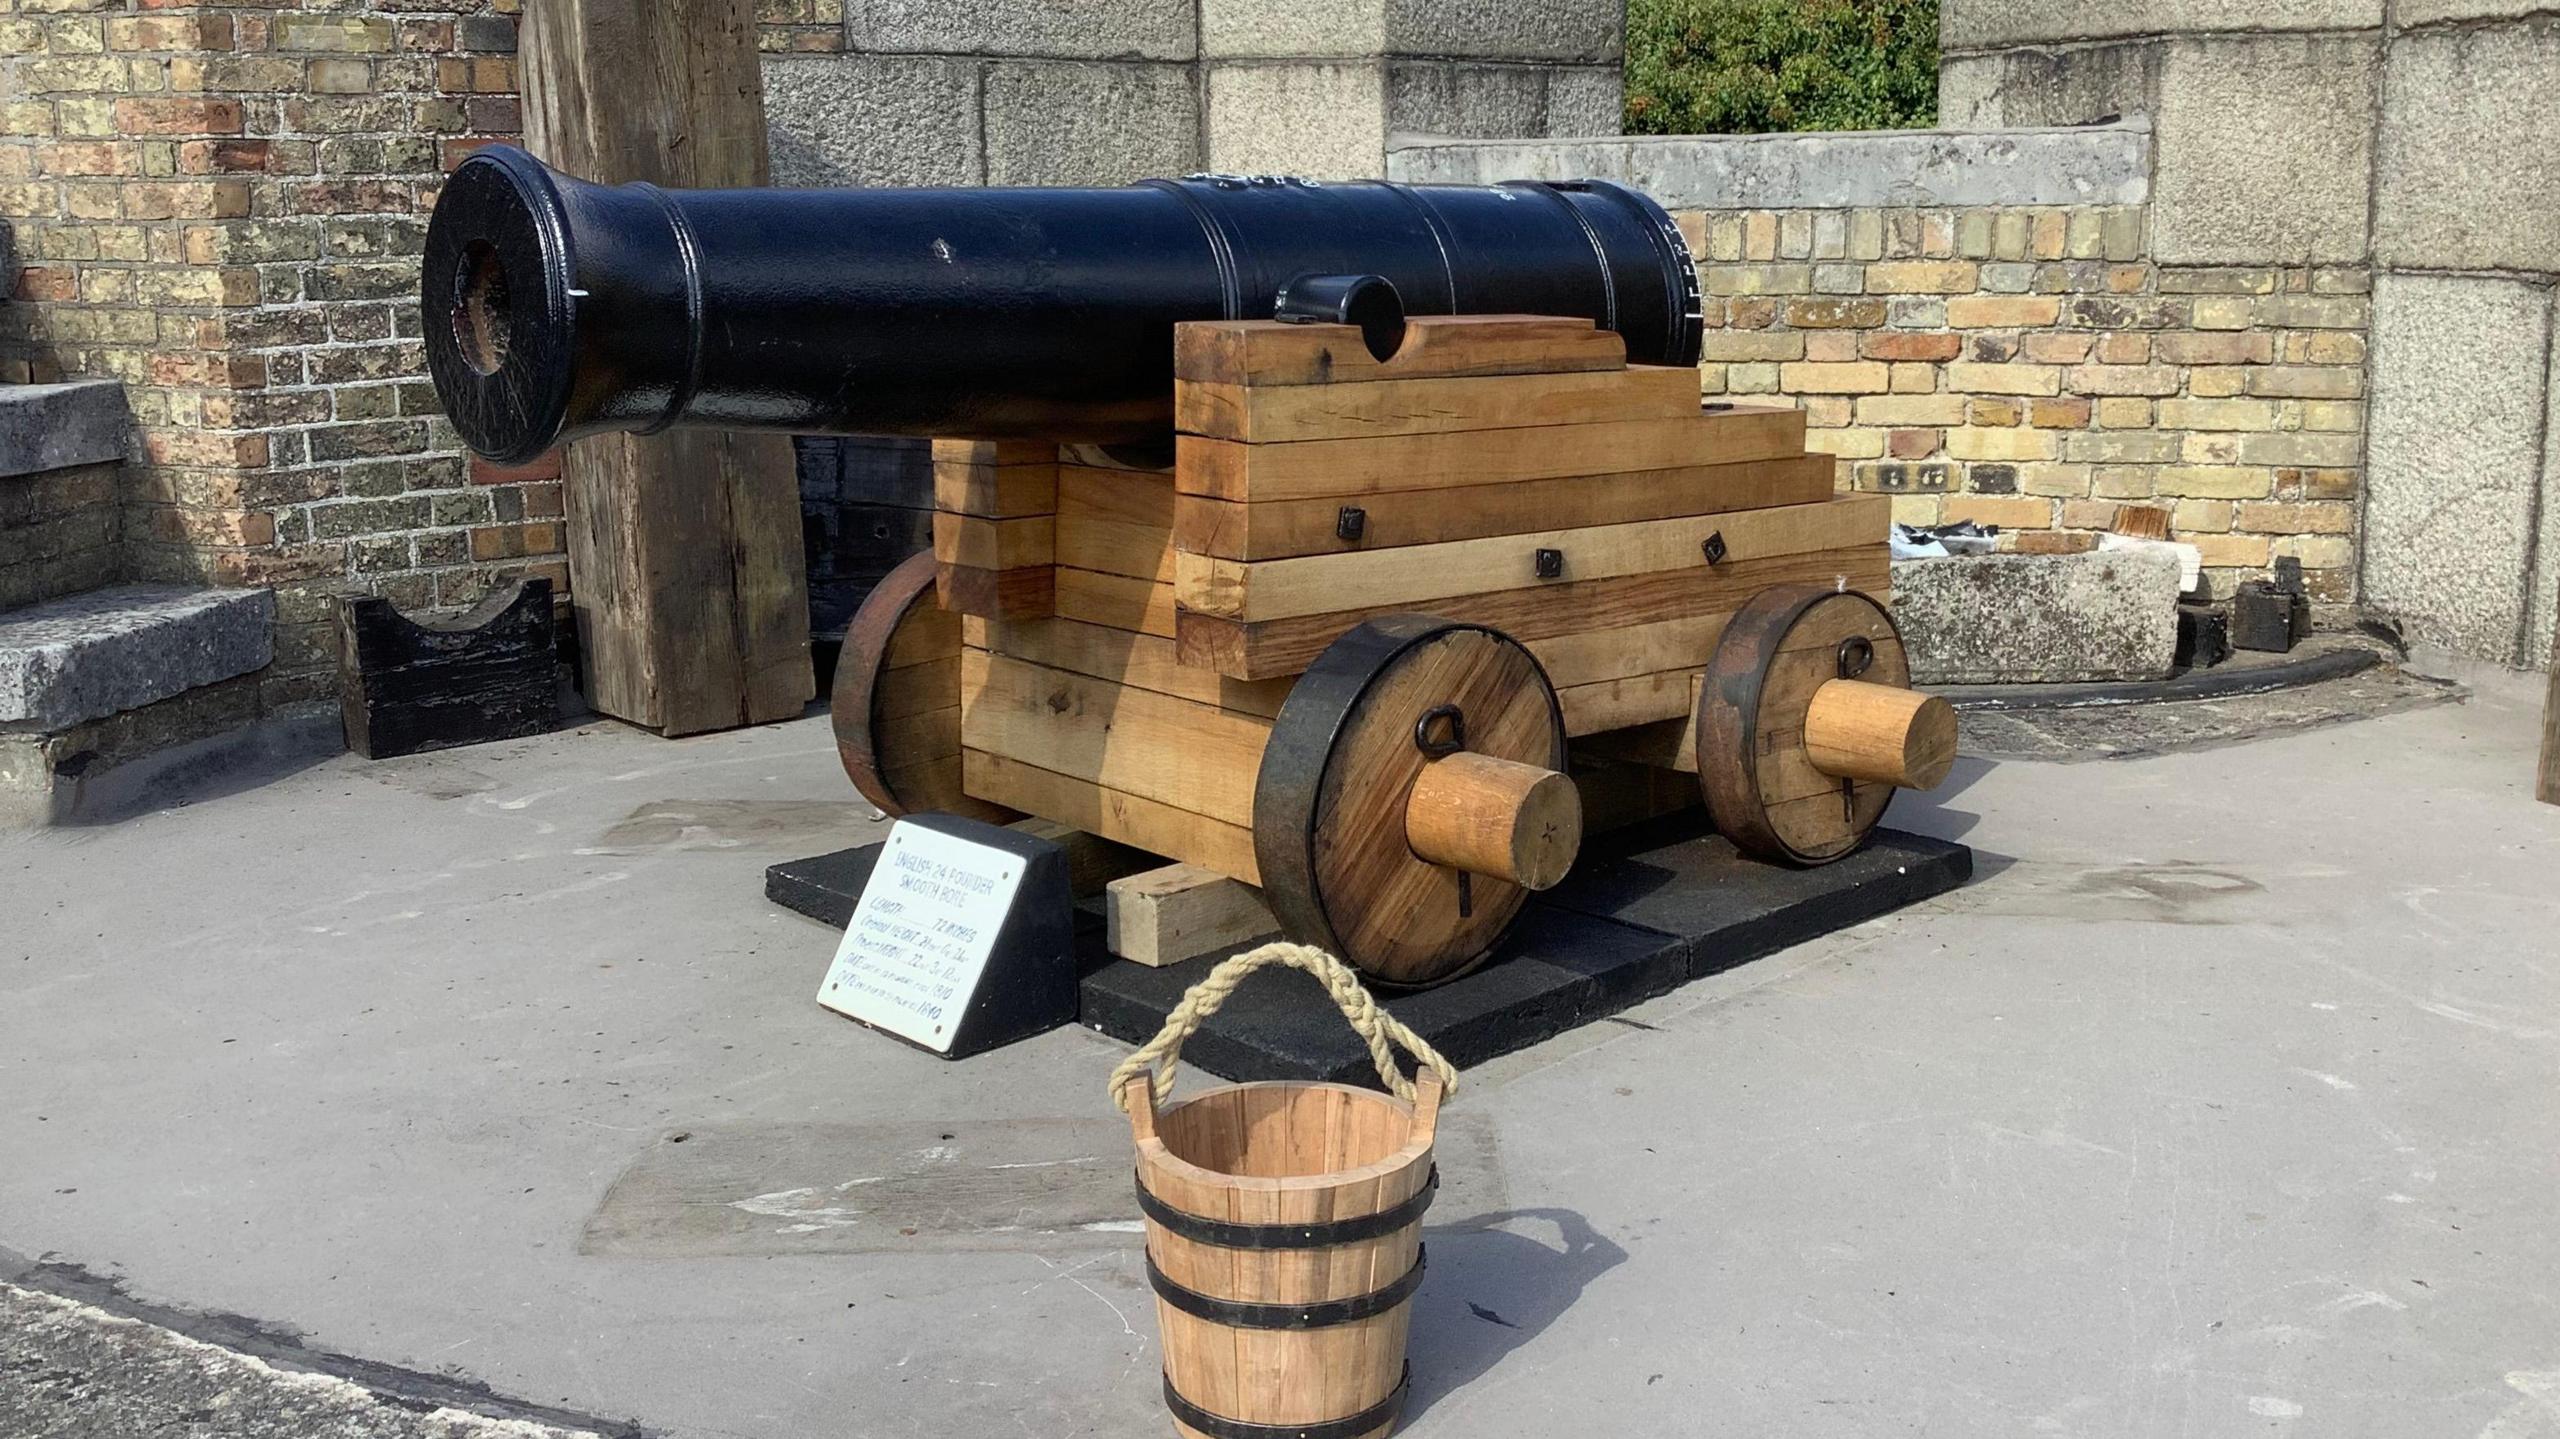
pixel 2419 140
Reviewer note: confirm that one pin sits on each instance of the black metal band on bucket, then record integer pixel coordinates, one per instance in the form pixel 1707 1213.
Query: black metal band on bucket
pixel 1238 1314
pixel 1225 1235
pixel 1218 1426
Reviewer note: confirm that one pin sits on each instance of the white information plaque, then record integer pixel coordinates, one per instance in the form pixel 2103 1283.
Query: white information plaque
pixel 921 935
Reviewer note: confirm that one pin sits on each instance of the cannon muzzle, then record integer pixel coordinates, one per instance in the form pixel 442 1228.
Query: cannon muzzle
pixel 556 308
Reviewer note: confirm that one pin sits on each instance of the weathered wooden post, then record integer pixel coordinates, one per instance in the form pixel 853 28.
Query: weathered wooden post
pixel 685 560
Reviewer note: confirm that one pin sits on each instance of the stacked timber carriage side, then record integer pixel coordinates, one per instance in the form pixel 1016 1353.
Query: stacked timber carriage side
pixel 1501 529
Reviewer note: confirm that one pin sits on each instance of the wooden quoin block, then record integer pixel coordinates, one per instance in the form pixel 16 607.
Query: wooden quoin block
pixel 1165 916
pixel 490 674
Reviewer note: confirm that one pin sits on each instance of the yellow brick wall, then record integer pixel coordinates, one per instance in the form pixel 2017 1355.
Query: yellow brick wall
pixel 2031 368
pixel 222 206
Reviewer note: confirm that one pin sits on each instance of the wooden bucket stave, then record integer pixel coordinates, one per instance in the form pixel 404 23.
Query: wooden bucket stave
pixel 1284 1241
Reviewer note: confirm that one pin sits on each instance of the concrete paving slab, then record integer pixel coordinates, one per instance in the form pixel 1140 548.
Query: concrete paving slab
pixel 2219 1103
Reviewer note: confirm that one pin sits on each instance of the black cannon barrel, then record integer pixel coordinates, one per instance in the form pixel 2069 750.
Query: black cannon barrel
pixel 557 308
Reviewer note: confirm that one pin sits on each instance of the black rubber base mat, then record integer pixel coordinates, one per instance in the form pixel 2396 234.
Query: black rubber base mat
pixel 1651 912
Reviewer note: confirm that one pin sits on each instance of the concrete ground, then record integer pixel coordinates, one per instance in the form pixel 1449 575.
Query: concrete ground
pixel 2223 1103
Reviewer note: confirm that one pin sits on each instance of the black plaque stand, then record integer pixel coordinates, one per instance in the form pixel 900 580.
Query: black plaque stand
pixel 1652 909
pixel 1029 984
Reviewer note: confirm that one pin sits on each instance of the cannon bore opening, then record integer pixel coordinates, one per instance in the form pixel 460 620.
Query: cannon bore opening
pixel 483 310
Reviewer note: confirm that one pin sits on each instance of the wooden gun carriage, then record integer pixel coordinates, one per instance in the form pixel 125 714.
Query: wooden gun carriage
pixel 1431 572
pixel 1380 628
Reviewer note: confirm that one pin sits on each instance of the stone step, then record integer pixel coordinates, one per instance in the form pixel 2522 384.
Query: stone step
pixel 87 656
pixel 53 427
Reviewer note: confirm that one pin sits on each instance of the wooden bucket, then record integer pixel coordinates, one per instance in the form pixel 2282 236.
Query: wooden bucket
pixel 1284 1230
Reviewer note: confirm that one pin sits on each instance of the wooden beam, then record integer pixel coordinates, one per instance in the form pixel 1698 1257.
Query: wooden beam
pixel 1267 352
pixel 1141 661
pixel 1284 529
pixel 1190 756
pixel 1147 824
pixel 1417 575
pixel 1264 649
pixel 685 558
pixel 1307 469
pixel 1262 414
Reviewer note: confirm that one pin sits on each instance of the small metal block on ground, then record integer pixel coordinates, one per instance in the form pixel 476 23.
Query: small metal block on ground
pixel 406 686
pixel 2265 617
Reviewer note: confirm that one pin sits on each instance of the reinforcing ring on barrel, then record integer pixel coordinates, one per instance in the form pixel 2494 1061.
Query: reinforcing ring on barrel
pixel 1243 1314
pixel 1221 1234
pixel 1352 1426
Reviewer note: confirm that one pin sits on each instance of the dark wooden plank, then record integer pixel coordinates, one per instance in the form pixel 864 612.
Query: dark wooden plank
pixel 491 674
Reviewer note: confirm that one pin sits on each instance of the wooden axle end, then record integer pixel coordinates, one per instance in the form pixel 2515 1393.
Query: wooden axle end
pixel 1520 823
pixel 1857 730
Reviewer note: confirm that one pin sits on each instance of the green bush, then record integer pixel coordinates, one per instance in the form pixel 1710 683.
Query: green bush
pixel 1725 67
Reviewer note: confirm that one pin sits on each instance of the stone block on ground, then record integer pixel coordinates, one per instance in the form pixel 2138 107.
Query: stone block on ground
pixel 2454 449
pixel 92 655
pixel 2039 619
pixel 2470 165
pixel 2265 150
pixel 54 427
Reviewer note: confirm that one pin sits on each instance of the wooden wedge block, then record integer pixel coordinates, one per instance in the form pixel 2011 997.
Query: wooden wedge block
pixel 1263 649
pixel 1191 756
pixel 1286 529
pixel 995 492
pixel 1165 916
pixel 1267 352
pixel 1115 601
pixel 1261 414
pixel 1307 469
pixel 1116 522
pixel 985 544
pixel 972 590
pixel 1416 575
pixel 1135 820
pixel 995 453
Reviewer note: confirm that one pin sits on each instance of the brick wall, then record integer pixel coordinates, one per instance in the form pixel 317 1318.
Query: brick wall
pixel 1978 324
pixel 2029 367
pixel 222 205
pixel 58 533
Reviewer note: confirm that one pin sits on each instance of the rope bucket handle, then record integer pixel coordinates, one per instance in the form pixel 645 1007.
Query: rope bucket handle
pixel 1156 1060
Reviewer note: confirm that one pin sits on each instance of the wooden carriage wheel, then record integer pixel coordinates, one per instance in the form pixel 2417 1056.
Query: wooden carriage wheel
pixel 897 699
pixel 1807 724
pixel 1412 795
